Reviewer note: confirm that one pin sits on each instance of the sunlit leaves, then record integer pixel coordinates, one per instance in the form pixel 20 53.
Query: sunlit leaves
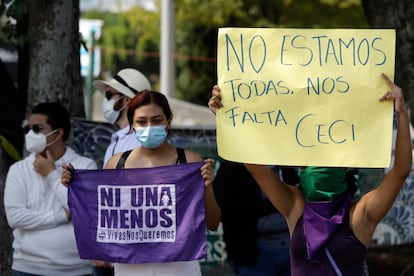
pixel 12 11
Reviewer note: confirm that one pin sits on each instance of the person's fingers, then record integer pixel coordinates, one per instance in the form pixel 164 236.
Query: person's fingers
pixel 66 176
pixel 387 80
pixel 67 166
pixel 49 155
pixel 395 93
pixel 207 169
pixel 215 96
pixel 216 101
pixel 210 161
pixel 216 90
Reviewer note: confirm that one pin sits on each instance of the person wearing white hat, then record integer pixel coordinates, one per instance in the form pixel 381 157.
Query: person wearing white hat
pixel 118 93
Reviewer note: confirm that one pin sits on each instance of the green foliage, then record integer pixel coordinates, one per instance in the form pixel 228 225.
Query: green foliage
pixel 197 23
pixel 323 14
pixel 127 37
pixel 133 38
pixel 9 148
pixel 12 12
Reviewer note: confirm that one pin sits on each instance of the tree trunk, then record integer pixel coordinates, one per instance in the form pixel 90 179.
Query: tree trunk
pixel 398 15
pixel 49 70
pixel 12 112
pixel 54 73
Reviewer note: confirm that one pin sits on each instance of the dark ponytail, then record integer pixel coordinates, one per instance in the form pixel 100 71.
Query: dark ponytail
pixel 351 179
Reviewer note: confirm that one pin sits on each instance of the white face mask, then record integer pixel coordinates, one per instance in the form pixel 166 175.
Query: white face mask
pixel 37 142
pixel 109 113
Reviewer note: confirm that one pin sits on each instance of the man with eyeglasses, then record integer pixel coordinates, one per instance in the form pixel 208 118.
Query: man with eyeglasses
pixel 118 93
pixel 36 203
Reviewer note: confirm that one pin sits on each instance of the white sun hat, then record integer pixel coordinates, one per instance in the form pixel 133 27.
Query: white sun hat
pixel 128 81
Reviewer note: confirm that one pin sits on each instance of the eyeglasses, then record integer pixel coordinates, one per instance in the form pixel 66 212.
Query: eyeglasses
pixel 36 128
pixel 110 94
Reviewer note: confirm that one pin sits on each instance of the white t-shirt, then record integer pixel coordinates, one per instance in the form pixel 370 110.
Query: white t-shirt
pixel 189 268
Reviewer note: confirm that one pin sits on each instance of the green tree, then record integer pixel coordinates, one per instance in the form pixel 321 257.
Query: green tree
pixel 130 39
pixel 133 38
pixel 54 73
pixel 47 38
pixel 398 15
pixel 197 23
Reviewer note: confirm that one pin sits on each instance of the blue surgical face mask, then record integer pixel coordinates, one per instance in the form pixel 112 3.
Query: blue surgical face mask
pixel 151 137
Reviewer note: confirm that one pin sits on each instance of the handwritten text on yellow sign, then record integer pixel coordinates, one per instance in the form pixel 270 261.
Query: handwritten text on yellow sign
pixel 305 96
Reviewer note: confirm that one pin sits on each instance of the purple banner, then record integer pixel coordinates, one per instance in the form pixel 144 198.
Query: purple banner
pixel 147 215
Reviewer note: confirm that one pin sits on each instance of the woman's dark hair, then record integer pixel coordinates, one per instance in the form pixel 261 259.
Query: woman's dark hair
pixel 147 97
pixel 351 180
pixel 57 116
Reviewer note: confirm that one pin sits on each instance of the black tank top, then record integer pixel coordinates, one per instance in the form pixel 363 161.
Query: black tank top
pixel 180 159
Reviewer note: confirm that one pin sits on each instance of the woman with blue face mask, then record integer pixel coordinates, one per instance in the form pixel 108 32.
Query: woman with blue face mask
pixel 118 93
pixel 150 117
pixel 330 232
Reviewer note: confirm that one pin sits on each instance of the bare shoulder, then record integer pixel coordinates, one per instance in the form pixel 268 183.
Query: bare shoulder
pixel 113 161
pixel 192 156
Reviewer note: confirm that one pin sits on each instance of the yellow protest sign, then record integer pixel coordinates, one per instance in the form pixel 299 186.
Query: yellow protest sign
pixel 305 96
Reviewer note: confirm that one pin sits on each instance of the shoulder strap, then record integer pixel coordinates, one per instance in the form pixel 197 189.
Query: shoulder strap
pixel 333 263
pixel 181 156
pixel 122 159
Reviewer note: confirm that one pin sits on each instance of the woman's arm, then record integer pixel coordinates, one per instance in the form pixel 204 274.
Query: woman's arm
pixel 287 199
pixel 377 203
pixel 212 209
